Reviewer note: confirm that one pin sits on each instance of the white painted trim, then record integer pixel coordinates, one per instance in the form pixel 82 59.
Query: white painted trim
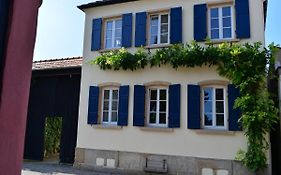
pixel 159 28
pixel 113 37
pixel 214 126
pixel 158 88
pixel 110 106
pixel 220 18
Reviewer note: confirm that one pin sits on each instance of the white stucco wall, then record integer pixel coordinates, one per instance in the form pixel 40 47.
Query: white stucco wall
pixel 183 142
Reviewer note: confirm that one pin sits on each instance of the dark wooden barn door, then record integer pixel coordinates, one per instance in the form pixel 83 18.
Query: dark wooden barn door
pixel 52 96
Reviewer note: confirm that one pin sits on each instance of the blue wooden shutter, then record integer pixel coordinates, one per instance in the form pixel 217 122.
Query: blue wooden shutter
pixel 123 106
pixel 93 105
pixel 139 105
pixel 140 31
pixel 176 25
pixel 233 114
pixel 194 99
pixel 127 30
pixel 174 105
pixel 242 19
pixel 96 34
pixel 200 22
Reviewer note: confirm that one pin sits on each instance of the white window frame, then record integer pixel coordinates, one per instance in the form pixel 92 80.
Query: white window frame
pixel 221 22
pixel 214 126
pixel 113 37
pixel 157 124
pixel 110 106
pixel 159 28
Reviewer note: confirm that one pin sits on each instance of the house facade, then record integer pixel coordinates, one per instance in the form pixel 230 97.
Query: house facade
pixel 161 119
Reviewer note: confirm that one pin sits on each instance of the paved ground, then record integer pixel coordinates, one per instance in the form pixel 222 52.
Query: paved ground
pixel 39 168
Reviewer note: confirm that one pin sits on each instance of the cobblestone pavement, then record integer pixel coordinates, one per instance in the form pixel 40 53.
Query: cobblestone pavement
pixel 39 168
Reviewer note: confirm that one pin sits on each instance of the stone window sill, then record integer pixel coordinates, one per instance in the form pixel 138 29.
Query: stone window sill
pixel 101 126
pixel 215 132
pixel 109 50
pixel 220 41
pixel 157 129
pixel 158 46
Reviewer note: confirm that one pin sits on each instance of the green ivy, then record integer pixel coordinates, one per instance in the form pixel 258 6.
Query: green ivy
pixel 245 65
pixel 53 128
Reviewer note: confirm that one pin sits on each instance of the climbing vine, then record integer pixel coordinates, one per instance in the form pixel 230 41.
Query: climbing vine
pixel 53 127
pixel 245 65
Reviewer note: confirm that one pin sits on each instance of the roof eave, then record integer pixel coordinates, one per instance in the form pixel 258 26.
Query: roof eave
pixel 102 3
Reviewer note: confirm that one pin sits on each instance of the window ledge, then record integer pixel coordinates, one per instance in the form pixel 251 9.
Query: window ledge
pixel 157 129
pixel 158 46
pixel 215 132
pixel 101 126
pixel 109 50
pixel 222 41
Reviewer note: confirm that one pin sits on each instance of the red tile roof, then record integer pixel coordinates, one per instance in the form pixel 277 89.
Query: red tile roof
pixel 57 63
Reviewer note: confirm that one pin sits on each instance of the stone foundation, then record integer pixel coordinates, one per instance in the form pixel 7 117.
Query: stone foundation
pixel 135 163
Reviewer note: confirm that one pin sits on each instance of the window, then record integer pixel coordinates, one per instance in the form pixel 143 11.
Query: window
pixel 110 102
pixel 221 22
pixel 113 33
pixel 158 106
pixel 214 107
pixel 159 29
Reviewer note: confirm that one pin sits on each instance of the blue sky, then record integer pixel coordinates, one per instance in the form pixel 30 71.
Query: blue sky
pixel 61 27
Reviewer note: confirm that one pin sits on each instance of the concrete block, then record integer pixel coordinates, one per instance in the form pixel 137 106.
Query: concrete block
pixel 207 171
pixel 240 169
pixel 222 172
pixel 110 163
pixel 79 155
pixel 100 161
pixel 131 161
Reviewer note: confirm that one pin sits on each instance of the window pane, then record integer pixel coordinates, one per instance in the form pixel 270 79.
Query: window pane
pixel 164 28
pixel 164 19
pixel 117 42
pixel 105 117
pixel 208 107
pixel 164 39
pixel 152 118
pixel 214 23
pixel 109 34
pixel 215 34
pixel 114 117
pixel 226 11
pixel 115 105
pixel 208 93
pixel 115 94
pixel 118 33
pixel 108 43
pixel 219 107
pixel 226 22
pixel 106 105
pixel 106 94
pixel 219 94
pixel 154 30
pixel 153 39
pixel 163 106
pixel 208 119
pixel 109 25
pixel 220 120
pixel 153 94
pixel 163 94
pixel 153 106
pixel 214 13
pixel 162 118
pixel 227 33
pixel 154 21
pixel 118 23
